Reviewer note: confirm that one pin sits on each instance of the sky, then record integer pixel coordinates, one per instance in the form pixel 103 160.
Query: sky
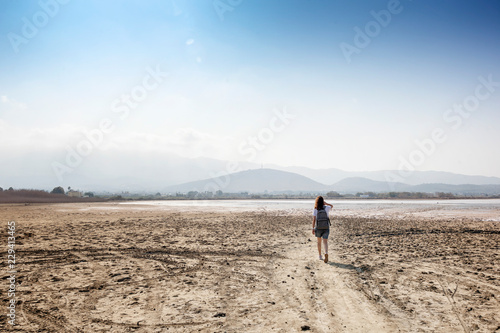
pixel 354 85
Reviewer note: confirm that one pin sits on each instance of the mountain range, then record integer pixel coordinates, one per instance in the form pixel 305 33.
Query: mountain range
pixel 150 172
pixel 331 176
pixel 277 181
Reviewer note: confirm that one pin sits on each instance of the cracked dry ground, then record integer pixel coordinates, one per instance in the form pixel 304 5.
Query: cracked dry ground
pixel 87 270
pixel 92 268
pixel 431 275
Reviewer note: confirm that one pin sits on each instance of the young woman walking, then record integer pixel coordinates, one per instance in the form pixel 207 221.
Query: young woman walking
pixel 321 234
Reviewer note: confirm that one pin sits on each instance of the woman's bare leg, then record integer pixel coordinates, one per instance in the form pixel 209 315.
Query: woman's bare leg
pixel 325 244
pixel 319 245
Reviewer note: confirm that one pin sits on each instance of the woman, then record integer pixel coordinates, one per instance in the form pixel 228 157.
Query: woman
pixel 321 233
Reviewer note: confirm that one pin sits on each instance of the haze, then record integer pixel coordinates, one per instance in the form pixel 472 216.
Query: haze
pixel 104 89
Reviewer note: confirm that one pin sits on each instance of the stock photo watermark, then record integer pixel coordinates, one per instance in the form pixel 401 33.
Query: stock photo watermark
pixel 364 36
pixel 32 26
pixel 95 137
pixel 223 6
pixel 454 118
pixel 250 147
pixel 11 270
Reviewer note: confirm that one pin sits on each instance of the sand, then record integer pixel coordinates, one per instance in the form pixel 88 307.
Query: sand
pixel 103 267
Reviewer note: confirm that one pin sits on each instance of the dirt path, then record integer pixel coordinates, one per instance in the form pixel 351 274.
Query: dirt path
pixel 325 295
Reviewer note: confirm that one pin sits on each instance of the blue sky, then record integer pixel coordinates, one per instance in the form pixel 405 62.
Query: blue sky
pixel 229 72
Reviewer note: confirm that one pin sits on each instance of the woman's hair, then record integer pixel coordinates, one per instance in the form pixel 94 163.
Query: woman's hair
pixel 319 202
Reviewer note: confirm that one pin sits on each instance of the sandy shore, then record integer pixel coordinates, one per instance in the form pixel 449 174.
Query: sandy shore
pixel 100 268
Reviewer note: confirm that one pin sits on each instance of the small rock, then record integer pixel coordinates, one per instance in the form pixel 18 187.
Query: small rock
pixel 219 314
pixel 305 328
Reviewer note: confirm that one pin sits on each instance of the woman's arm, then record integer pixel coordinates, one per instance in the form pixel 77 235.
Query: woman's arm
pixel 314 223
pixel 327 204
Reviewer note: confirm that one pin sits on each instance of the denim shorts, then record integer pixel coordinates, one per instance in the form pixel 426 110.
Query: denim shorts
pixel 322 233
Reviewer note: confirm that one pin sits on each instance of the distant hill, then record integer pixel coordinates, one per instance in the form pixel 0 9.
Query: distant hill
pixel 110 171
pixel 150 172
pixel 465 189
pixel 276 181
pixel 332 176
pixel 358 184
pixel 253 181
